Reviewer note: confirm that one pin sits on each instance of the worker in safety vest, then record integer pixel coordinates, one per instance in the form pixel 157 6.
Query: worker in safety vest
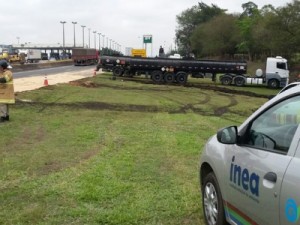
pixel 7 95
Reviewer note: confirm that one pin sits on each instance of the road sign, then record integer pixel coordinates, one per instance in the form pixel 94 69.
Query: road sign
pixel 147 39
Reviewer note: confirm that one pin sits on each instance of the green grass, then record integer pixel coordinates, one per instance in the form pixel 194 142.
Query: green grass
pixel 110 152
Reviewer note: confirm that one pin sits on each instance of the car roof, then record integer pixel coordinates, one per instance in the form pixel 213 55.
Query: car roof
pixel 289 86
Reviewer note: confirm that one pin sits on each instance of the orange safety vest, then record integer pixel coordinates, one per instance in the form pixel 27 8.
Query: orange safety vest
pixel 7 94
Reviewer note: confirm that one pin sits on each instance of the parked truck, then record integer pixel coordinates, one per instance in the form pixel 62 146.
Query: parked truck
pixel 85 56
pixel 171 70
pixel 31 55
pixel 276 75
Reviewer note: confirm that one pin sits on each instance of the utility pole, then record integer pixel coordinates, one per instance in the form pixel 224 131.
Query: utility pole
pixel 83 35
pixel 99 41
pixel 74 23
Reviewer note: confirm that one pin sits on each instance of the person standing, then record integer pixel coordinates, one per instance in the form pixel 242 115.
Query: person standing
pixel 7 95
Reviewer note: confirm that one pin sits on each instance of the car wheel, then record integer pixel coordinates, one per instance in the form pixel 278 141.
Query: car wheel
pixel 212 201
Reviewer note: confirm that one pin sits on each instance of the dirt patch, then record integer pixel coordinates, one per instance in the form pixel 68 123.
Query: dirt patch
pixel 82 83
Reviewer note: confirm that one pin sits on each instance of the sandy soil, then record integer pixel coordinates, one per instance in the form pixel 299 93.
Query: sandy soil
pixel 31 83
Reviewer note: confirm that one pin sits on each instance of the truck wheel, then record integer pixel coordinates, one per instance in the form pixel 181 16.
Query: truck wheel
pixel 273 83
pixel 239 81
pixel 118 71
pixel 181 77
pixel 169 77
pixel 226 80
pixel 157 76
pixel 212 201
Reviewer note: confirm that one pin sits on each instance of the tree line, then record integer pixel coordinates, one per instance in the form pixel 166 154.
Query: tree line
pixel 209 31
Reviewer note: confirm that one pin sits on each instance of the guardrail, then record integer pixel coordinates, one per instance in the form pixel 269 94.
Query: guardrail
pixel 35 66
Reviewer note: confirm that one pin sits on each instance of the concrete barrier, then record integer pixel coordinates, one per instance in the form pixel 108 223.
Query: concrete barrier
pixel 35 66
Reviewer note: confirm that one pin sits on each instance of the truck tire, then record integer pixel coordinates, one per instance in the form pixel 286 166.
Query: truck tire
pixel 118 71
pixel 157 76
pixel 239 81
pixel 169 77
pixel 273 83
pixel 181 78
pixel 212 201
pixel 226 80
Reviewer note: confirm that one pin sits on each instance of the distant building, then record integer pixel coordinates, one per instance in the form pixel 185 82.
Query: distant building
pixel 128 51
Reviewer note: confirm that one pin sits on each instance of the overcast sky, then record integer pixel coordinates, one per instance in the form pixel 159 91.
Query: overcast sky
pixel 124 21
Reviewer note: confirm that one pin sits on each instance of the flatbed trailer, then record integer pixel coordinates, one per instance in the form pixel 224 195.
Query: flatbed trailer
pixel 169 70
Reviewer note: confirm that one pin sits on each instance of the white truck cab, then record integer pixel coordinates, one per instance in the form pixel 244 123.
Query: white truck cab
pixel 277 69
pixel 250 174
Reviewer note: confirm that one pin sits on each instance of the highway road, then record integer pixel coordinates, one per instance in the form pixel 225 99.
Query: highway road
pixel 30 80
pixel 51 71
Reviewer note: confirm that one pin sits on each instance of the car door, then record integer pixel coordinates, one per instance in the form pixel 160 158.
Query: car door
pixel 257 164
pixel 289 197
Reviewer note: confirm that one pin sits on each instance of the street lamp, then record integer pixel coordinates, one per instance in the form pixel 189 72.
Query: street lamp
pixel 63 23
pixel 83 35
pixel 95 38
pixel 110 45
pixel 99 41
pixel 89 38
pixel 74 33
pixel 103 41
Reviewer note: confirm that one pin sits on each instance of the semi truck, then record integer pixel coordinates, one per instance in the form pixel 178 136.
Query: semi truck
pixel 85 56
pixel 170 70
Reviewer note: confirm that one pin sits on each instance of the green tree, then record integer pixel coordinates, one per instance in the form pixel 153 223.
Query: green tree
pixel 189 19
pixel 285 29
pixel 246 23
pixel 219 41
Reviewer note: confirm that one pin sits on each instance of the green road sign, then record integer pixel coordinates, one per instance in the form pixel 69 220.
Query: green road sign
pixel 147 39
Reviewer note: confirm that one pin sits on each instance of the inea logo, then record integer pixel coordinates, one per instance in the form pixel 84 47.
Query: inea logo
pixel 244 179
pixel 292 211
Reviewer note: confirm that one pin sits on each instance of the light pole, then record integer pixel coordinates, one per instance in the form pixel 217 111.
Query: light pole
pixel 99 41
pixel 83 35
pixel 63 23
pixel 103 41
pixel 95 39
pixel 18 40
pixel 89 38
pixel 74 33
pixel 110 45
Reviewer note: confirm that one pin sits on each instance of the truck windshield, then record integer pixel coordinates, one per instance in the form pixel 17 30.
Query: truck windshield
pixel 281 65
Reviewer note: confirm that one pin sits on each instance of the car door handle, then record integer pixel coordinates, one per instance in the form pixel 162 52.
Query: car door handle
pixel 271 177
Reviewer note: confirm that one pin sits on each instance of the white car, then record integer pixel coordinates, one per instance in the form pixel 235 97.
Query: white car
pixel 251 174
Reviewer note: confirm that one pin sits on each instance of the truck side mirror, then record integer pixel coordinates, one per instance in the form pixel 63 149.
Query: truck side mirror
pixel 227 135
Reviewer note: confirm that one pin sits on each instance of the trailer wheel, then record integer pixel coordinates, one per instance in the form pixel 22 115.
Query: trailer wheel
pixel 169 77
pixel 239 81
pixel 273 83
pixel 181 77
pixel 226 80
pixel 118 71
pixel 157 76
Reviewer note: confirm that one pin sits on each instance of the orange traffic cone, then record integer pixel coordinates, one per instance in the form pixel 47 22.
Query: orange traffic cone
pixel 45 82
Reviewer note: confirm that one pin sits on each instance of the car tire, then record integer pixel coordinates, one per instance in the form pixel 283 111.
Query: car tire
pixel 212 201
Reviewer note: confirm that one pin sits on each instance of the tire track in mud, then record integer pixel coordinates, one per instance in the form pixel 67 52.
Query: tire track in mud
pixel 224 109
pixel 157 92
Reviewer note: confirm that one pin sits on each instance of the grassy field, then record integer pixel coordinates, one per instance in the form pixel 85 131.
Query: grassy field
pixel 102 151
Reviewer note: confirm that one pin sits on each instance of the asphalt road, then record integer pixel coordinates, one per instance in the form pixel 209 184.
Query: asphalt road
pixel 51 71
